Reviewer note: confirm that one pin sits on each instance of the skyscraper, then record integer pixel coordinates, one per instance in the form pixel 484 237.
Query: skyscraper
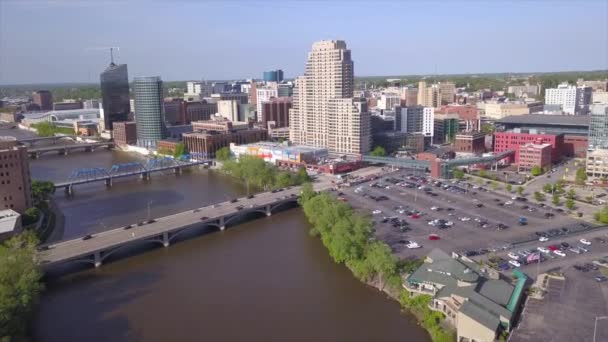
pixel 324 112
pixel 597 154
pixel 115 94
pixel 149 110
pixel 16 189
pixel 273 76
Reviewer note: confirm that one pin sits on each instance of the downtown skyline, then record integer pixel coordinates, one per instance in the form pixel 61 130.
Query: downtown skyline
pixel 390 38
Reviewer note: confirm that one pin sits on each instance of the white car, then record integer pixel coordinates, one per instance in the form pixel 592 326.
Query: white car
pixel 544 250
pixel 508 202
pixel 515 263
pixel 513 256
pixel 449 223
pixel 376 212
pixel 514 197
pixel 585 242
pixel 434 208
pixel 560 253
pixel 413 245
pixel 543 239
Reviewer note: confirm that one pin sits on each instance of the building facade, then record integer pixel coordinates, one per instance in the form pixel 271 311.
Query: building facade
pixel 504 141
pixel 324 112
pixel 43 99
pixel 597 154
pixel 574 100
pixel 474 143
pixel 204 145
pixel 150 113
pixel 58 106
pixel 264 94
pixel 273 76
pixel 389 101
pixel 199 111
pixel 531 155
pixel 416 119
pixel 277 110
pixel 15 178
pixel 285 89
pixel 125 133
pixel 115 94
pixel 499 110
pixel 445 128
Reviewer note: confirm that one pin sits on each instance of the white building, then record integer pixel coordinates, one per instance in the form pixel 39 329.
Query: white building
pixel 264 94
pixel 574 100
pixel 416 119
pixel 600 96
pixel 324 112
pixel 388 101
pixel 198 90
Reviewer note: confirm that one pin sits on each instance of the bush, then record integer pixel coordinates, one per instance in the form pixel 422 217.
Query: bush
pixel 30 216
pixel 458 174
pixel 379 151
pixel 581 176
pixel 602 215
pixel 536 171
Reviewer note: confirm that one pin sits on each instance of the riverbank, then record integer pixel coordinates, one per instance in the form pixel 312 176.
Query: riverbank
pixel 349 240
pixel 58 226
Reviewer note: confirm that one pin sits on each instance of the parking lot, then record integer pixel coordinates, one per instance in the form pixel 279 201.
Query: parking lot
pixel 461 217
pixel 567 312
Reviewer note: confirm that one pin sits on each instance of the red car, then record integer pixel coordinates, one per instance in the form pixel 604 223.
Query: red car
pixel 552 248
pixel 434 237
pixel 415 216
pixel 342 199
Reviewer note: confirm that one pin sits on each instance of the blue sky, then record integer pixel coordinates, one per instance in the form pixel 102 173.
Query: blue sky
pixel 59 40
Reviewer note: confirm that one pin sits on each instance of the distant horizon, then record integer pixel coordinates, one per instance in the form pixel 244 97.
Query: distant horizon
pixel 522 73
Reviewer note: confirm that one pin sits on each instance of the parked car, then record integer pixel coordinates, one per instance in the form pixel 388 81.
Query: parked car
pixel 515 263
pixel 585 242
pixel 513 256
pixel 434 237
pixel 560 253
pixel 413 245
pixel 87 237
pixel 543 250
pixel 601 278
pixel 543 239
pixel 377 211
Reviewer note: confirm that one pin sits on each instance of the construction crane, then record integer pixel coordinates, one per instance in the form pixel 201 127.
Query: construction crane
pixel 112 48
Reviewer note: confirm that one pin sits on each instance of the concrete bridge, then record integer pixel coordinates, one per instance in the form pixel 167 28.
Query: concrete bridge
pixel 94 249
pixel 30 142
pixel 93 175
pixel 66 149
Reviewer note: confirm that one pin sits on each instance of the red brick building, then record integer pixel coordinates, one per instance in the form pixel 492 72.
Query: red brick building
pixel 205 144
pixel 474 143
pixel 504 141
pixel 575 146
pixel 125 133
pixel 277 110
pixel 467 114
pixel 531 155
pixel 44 99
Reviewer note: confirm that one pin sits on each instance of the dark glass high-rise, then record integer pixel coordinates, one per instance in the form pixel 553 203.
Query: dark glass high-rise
pixel 115 94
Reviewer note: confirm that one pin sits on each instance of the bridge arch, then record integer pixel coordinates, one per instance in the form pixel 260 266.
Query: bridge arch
pixel 283 204
pixel 130 244
pixel 190 228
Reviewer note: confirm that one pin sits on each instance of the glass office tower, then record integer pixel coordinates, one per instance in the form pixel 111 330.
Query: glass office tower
pixel 115 94
pixel 149 110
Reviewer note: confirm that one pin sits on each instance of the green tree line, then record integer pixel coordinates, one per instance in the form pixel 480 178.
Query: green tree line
pixel 47 129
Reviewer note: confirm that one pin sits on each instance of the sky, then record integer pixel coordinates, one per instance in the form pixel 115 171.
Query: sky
pixel 48 41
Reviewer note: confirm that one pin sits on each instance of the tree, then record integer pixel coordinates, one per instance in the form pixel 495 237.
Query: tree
pixel 487 128
pixel 283 179
pixel 381 261
pixel 602 215
pixel 482 173
pixel 30 215
pixel 581 176
pixel 20 285
pixel 536 171
pixel 379 151
pixel 589 199
pixel 509 187
pixel 458 174
pixel 223 154
pixel 41 190
pixel 555 199
pixel 571 194
pixel 548 188
pixel 302 176
pixel 520 190
pixel 180 150
pixel 539 196
pixel 570 204
pixel 495 185
pixel 306 193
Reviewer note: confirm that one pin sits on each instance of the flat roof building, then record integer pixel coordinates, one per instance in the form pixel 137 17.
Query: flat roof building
pixel 15 178
pixel 10 223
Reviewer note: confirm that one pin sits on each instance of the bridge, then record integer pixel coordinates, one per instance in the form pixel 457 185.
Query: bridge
pixel 54 139
pixel 93 175
pixel 66 149
pixel 94 249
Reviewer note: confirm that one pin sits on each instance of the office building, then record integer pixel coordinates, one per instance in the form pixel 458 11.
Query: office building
pixel 15 179
pixel 203 145
pixel 445 128
pixel 389 101
pixel 43 99
pixel 220 87
pixel 150 113
pixel 473 298
pixel 597 154
pixel 285 89
pixel 240 97
pixel 529 90
pixel 473 143
pixel 324 112
pixel 91 104
pixel 273 76
pixel 264 94
pixel 175 111
pixel 276 110
pixel 505 141
pixel 125 133
pixel 531 155
pixel 416 119
pixel 428 96
pixel 115 94
pixel 58 106
pixel 199 111
pixel 599 96
pixel 410 96
pixel 574 100
pixel 499 110
pixel 233 110
pixel 595 85
pixel 468 115
pixel 446 92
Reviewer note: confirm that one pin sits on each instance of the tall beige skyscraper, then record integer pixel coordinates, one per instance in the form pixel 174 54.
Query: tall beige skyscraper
pixel 435 95
pixel 324 112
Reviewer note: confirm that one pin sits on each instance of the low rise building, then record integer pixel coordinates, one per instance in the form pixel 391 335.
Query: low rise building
pixel 58 106
pixel 125 133
pixel 10 223
pixel 505 141
pixel 531 155
pixel 277 110
pixel 204 144
pixel 393 141
pixel 473 298
pixel 445 128
pixel 473 143
pixel 499 110
pixel 597 163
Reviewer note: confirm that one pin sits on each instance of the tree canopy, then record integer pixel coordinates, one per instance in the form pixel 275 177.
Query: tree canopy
pixel 581 176
pixel 20 285
pixel 378 151
pixel 458 174
pixel 223 154
pixel 256 172
pixel 536 171
pixel 602 215
pixel 41 190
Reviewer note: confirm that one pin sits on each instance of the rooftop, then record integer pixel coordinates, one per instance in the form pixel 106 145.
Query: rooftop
pixel 9 220
pixel 540 119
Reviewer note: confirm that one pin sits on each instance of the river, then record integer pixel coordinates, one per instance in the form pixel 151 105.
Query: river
pixel 263 280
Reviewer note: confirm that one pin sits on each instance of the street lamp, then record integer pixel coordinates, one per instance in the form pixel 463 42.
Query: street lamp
pixel 598 318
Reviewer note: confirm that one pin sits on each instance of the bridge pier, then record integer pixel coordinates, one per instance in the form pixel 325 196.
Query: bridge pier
pixel 69 190
pixel 64 152
pixel 222 224
pixel 166 239
pixel 268 210
pixel 88 149
pixel 108 182
pixel 97 259
pixel 177 170
pixel 145 176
